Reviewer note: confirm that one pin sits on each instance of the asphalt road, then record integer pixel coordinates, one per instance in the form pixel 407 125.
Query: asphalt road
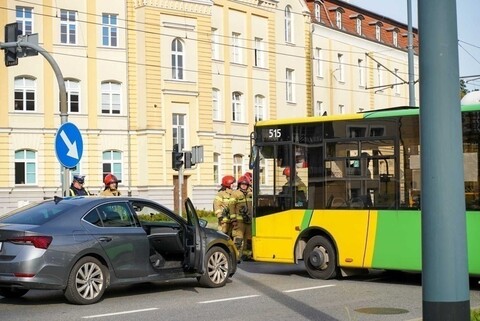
pixel 258 291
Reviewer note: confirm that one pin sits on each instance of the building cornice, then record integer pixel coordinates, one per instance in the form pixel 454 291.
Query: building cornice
pixel 192 6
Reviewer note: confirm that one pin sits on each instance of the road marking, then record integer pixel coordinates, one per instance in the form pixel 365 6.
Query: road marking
pixel 117 313
pixel 311 288
pixel 230 299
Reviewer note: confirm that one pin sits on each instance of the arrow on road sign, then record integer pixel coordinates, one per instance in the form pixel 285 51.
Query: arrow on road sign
pixel 72 147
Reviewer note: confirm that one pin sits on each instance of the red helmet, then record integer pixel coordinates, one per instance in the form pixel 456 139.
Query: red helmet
pixel 249 176
pixel 286 171
pixel 243 180
pixel 110 178
pixel 227 181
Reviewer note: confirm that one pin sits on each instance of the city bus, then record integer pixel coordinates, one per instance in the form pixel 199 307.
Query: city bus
pixel 342 192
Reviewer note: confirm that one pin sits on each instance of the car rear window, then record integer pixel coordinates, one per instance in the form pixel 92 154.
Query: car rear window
pixel 37 214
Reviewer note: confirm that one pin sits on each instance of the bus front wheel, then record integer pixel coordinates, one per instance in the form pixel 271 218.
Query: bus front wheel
pixel 320 258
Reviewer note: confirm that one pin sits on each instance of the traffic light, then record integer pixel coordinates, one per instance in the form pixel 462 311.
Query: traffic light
pixel 177 158
pixel 11 35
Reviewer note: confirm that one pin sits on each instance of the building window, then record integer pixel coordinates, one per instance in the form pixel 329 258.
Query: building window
pixel 111 98
pixel 236 48
pixel 237 106
pixel 288 24
pixel 379 76
pixel 338 19
pixel 216 168
pixel 259 53
pixel 397 84
pixel 109 30
pixel 358 25
pixel 24 18
pixel 317 11
pixel 318 108
pixel 237 165
pixel 178 130
pixel 378 32
pixel 289 85
pixel 395 38
pixel 215 44
pixel 319 62
pixel 341 68
pixel 25 167
pixel 259 107
pixel 73 95
pixel 217 112
pixel 68 26
pixel 24 94
pixel 177 59
pixel 112 163
pixel 361 73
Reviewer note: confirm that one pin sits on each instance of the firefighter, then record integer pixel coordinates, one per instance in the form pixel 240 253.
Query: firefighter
pixel 221 204
pixel 111 186
pixel 242 220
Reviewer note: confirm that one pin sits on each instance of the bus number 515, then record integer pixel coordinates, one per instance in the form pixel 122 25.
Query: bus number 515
pixel 274 133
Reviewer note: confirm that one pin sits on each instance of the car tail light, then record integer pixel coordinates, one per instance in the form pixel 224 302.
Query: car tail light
pixel 41 242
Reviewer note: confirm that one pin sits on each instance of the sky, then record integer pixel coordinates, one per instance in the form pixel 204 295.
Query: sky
pixel 468 18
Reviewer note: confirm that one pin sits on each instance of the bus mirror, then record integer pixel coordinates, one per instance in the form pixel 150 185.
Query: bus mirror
pixel 253 157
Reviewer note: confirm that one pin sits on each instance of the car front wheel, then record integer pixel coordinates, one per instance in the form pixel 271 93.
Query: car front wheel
pixel 217 265
pixel 87 281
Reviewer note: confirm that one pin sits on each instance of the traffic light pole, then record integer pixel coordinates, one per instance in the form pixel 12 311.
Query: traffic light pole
pixel 61 87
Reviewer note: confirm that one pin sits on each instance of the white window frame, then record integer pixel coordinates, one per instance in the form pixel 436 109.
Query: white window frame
pixel 215 44
pixel 318 108
pixel 317 11
pixel 109 30
pixel 377 32
pixel 379 77
pixel 216 110
pixel 358 25
pixel 111 93
pixel 237 107
pixel 259 53
pixel 395 38
pixel 26 86
pixel 24 18
pixel 341 68
pixel 288 20
pixel 259 107
pixel 72 87
pixel 112 162
pixel 361 73
pixel 179 130
pixel 338 19
pixel 68 27
pixel 236 48
pixel 217 161
pixel 177 59
pixel 289 85
pixel 237 165
pixel 319 61
pixel 28 158
pixel 397 84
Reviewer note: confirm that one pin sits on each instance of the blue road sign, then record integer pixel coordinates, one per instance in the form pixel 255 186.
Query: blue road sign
pixel 68 145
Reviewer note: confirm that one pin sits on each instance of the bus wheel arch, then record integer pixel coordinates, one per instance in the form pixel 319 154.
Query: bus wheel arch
pixel 320 258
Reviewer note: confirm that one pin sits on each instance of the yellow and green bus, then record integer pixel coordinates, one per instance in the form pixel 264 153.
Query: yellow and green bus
pixel 352 199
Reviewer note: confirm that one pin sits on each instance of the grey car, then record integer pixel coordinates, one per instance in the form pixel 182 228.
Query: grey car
pixel 82 245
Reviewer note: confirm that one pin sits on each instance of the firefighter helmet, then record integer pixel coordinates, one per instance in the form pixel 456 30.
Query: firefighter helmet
pixel 243 180
pixel 286 171
pixel 227 181
pixel 110 178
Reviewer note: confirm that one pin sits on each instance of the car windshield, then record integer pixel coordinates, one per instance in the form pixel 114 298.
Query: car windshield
pixel 37 214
